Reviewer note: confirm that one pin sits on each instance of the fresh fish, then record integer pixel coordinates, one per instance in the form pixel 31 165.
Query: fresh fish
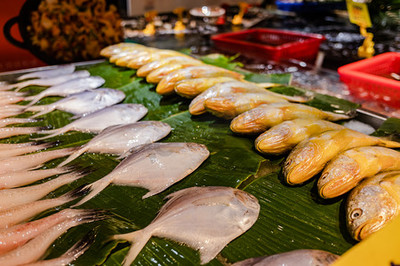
pixel 204 218
pixel 51 81
pixel 19 214
pixel 300 257
pixel 118 48
pixel 284 136
pixel 10 100
pixel 21 148
pixel 347 169
pixel 8 94
pixel 10 198
pixel 119 139
pixel 372 204
pixel 261 118
pixel 18 235
pixel 143 71
pixel 11 121
pixel 68 88
pixel 81 103
pixel 158 74
pixel 25 177
pixel 122 59
pixel 43 74
pixel 6 132
pixel 190 88
pixel 71 254
pixel 101 119
pixel 236 88
pixel 167 84
pixel 154 166
pixel 30 161
pixel 141 60
pixel 13 108
pixel 310 156
pixel 36 248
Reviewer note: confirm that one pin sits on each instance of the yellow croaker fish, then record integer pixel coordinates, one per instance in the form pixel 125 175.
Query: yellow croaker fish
pixel 310 156
pixel 123 59
pixel 239 89
pixel 372 204
pixel 158 74
pixel 120 47
pixel 190 88
pixel 167 84
pixel 261 118
pixel 347 169
pixel 284 136
pixel 145 70
pixel 140 61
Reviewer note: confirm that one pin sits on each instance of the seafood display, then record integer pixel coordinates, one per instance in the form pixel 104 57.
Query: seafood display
pixel 204 218
pixel 44 74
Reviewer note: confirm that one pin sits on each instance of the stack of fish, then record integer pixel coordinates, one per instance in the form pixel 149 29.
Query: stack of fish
pixel 314 144
pixel 145 164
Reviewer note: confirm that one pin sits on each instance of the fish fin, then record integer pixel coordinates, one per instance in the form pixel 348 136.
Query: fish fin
pixel 74 155
pixel 209 252
pixel 153 192
pixel 34 99
pixel 76 193
pixel 52 133
pixel 95 188
pixel 42 112
pixel 81 246
pixel 138 239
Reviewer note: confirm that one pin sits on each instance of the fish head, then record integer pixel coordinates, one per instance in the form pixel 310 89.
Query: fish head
pixel 369 208
pixel 221 106
pixel 338 177
pixel 276 139
pixel 249 206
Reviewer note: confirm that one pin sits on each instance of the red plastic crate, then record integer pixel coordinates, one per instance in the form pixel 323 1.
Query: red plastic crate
pixel 270 44
pixel 369 79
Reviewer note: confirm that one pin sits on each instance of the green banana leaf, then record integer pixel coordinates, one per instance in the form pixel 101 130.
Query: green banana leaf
pixel 290 217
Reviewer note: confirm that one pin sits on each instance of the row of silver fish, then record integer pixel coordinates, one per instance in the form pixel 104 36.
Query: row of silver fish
pixel 225 94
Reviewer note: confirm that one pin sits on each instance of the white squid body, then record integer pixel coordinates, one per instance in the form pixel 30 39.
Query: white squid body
pixel 204 218
pixel 120 139
pixel 101 119
pixel 81 103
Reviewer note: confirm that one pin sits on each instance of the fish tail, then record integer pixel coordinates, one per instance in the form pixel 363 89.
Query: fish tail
pixel 95 188
pixel 41 109
pixel 74 156
pixel 52 133
pixel 33 99
pixel 138 239
pixel 335 117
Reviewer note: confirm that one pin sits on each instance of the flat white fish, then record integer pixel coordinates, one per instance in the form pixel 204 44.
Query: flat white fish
pixel 18 235
pixel 10 198
pixel 300 257
pixel 24 148
pixel 11 121
pixel 154 166
pixel 6 132
pixel 51 81
pixel 204 218
pixel 36 248
pixel 30 161
pixel 120 139
pixel 99 120
pixel 67 88
pixel 25 177
pixel 81 103
pixel 10 217
pixel 44 74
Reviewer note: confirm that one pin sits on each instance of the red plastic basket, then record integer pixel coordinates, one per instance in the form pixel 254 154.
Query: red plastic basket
pixel 369 79
pixel 270 44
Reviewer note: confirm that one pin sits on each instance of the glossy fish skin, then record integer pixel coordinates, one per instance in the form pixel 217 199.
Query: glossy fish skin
pixel 372 204
pixel 284 136
pixel 140 61
pixel 68 88
pixel 97 121
pixel 23 149
pixel 125 57
pixel 158 74
pixel 81 103
pixel 204 218
pixel 310 156
pixel 190 88
pixel 56 71
pixel 155 166
pixel 167 84
pixel 347 169
pixel 36 248
pixel 119 47
pixel 143 71
pixel 120 139
pixel 261 118
pixel 300 257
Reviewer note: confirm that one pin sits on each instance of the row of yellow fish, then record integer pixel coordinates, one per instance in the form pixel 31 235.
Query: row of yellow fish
pixel 344 156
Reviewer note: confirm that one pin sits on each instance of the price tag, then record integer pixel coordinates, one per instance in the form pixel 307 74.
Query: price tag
pixel 358 13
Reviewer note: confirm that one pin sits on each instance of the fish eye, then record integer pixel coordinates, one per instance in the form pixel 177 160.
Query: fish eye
pixel 356 213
